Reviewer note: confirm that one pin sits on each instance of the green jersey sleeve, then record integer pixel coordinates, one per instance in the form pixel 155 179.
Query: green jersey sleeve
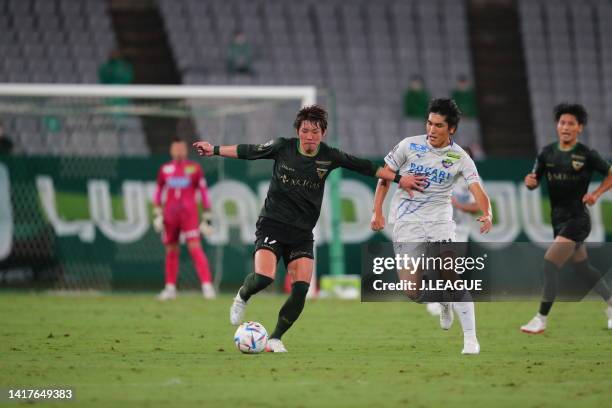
pixel 266 150
pixel 539 166
pixel 597 163
pixel 353 163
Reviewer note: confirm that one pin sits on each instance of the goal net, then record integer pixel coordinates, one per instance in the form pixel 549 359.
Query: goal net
pixel 76 192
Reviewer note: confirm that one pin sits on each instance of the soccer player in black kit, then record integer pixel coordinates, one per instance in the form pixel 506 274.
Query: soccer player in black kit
pixel 292 208
pixel 568 166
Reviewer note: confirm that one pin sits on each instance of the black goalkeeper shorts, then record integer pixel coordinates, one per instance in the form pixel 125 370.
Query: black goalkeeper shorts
pixel 287 242
pixel 576 228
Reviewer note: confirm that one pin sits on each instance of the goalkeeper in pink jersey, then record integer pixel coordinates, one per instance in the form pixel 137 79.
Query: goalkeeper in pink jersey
pixel 179 179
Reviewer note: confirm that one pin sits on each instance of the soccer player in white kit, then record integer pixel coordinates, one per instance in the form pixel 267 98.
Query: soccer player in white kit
pixel 427 215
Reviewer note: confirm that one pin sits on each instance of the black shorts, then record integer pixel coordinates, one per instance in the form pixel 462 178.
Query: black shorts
pixel 286 241
pixel 576 228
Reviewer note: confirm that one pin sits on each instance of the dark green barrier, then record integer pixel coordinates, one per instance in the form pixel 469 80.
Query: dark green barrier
pixel 85 222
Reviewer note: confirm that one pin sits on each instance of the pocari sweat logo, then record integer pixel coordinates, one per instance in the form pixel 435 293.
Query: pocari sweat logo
pixel 433 174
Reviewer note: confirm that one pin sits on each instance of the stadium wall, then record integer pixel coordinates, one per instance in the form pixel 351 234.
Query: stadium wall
pixel 86 222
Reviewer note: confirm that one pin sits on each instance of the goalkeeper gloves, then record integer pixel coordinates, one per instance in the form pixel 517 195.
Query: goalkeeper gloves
pixel 158 220
pixel 206 225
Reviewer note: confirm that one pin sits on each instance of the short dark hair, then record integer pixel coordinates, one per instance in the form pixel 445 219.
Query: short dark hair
pixel 447 108
pixel 313 113
pixel 177 139
pixel 574 109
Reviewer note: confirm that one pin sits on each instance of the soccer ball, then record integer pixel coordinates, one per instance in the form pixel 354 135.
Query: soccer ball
pixel 251 337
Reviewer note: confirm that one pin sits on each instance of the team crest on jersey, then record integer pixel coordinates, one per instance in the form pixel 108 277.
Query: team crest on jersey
pixel 446 163
pixel 577 164
pixel 190 169
pixel 418 147
pixel 169 169
pixel 321 172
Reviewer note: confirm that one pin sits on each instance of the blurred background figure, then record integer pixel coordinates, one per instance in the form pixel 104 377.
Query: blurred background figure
pixel 116 70
pixel 240 56
pixel 416 99
pixel 6 144
pixel 177 181
pixel 464 95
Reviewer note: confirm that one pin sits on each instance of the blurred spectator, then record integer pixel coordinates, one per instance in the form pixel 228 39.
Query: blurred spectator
pixel 416 99
pixel 239 55
pixel 6 144
pixel 465 97
pixel 117 70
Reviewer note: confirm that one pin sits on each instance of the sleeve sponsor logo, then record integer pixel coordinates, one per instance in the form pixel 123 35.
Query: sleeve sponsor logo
pixel 263 146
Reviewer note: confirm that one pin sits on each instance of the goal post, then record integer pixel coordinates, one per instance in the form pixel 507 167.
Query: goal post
pixel 85 112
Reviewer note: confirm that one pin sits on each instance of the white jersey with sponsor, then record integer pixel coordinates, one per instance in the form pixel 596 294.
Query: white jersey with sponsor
pixel 443 167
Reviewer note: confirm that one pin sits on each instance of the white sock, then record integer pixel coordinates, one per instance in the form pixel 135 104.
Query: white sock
pixel 542 317
pixel 170 286
pixel 467 317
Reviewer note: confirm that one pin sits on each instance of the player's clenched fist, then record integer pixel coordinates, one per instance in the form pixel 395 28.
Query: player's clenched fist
pixel 204 148
pixel 378 222
pixel 531 181
pixel 410 182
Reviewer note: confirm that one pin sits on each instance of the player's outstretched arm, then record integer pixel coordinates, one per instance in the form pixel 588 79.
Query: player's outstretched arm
pixel 407 182
pixel 484 204
pixel 207 149
pixel 471 208
pixel 606 184
pixel 367 168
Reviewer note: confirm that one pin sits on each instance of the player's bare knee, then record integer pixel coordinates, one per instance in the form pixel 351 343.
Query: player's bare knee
pixel 193 244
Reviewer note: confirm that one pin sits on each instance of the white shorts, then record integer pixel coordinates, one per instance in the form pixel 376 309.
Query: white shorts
pixel 424 231
pixel 412 238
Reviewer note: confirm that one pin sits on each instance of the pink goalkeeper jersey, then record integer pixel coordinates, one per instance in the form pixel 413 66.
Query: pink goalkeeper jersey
pixel 181 180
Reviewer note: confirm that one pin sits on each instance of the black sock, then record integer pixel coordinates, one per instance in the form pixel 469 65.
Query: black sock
pixel 593 278
pixel 551 282
pixel 253 283
pixel 292 308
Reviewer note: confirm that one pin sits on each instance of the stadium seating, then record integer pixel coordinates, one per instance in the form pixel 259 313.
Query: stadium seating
pixel 364 51
pixel 61 41
pixel 568 50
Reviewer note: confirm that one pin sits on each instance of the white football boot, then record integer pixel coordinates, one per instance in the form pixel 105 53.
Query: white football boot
pixel 470 345
pixel 446 315
pixel 275 346
pixel 536 325
pixel 208 291
pixel 433 309
pixel 609 314
pixel 237 310
pixel 169 293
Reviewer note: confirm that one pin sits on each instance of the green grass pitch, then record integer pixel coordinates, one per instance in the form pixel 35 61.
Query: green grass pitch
pixel 130 350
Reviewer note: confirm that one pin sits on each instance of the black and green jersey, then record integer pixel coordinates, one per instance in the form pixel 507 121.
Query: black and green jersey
pixel 298 180
pixel 568 173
